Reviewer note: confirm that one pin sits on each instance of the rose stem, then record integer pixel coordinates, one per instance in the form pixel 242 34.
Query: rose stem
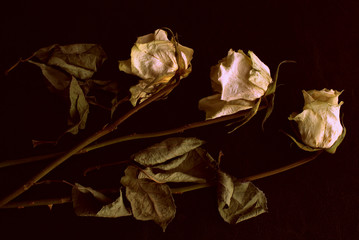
pixel 98 167
pixel 130 137
pixel 109 128
pixel 36 203
pixel 18 62
pixel 174 190
pixel 253 177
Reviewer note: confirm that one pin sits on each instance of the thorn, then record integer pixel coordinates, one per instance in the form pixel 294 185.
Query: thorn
pixel 220 155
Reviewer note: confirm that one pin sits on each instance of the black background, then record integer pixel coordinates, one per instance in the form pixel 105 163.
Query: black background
pixel 317 201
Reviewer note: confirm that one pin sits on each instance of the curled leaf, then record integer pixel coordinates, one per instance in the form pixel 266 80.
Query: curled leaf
pixel 165 150
pixel 115 209
pixel 58 79
pixel 90 202
pixel 87 201
pixel 270 93
pixel 63 67
pixel 149 200
pixel 247 117
pixel 195 166
pixel 79 108
pixel 79 60
pixel 239 201
pixel 302 145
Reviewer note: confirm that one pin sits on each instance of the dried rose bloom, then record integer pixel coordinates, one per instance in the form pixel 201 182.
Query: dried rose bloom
pixel 155 59
pixel 238 80
pixel 319 123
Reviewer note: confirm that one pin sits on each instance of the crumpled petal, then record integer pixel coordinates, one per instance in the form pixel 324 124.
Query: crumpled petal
pixel 154 59
pixel 238 80
pixel 319 123
pixel 259 74
pixel 240 76
pixel 215 107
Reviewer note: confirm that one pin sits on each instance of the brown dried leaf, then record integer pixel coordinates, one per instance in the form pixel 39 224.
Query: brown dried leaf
pixel 239 201
pixel 89 202
pixel 149 200
pixel 79 60
pixel 165 150
pixel 195 166
pixel 79 108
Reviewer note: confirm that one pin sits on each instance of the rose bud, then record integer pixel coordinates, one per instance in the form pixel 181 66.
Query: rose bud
pixel 319 123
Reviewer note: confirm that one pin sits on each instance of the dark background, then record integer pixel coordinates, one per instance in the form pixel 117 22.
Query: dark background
pixel 317 201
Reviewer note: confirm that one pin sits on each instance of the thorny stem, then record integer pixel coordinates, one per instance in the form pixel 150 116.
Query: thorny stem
pixel 281 169
pixel 98 167
pixel 19 61
pixel 253 177
pixel 36 203
pixel 174 190
pixel 130 137
pixel 109 128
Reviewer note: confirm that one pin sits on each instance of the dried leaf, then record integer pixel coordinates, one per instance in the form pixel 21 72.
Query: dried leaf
pixel 143 90
pixel 62 66
pixel 302 145
pixel 115 209
pixel 270 93
pixel 247 117
pixel 149 200
pixel 111 86
pixel 239 201
pixel 79 108
pixel 89 202
pixel 165 150
pixel 57 78
pixel 79 60
pixel 195 166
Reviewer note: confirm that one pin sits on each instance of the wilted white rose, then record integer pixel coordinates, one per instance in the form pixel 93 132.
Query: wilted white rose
pixel 319 123
pixel 155 59
pixel 239 80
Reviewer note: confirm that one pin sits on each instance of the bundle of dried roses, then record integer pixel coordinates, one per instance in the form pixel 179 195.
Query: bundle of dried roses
pixel 241 84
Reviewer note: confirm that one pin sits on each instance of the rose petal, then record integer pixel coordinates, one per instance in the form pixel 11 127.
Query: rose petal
pixel 215 107
pixel 324 95
pixel 239 77
pixel 319 123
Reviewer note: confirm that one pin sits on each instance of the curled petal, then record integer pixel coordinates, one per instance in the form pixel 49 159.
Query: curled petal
pixel 325 95
pixel 215 107
pixel 260 73
pixel 238 76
